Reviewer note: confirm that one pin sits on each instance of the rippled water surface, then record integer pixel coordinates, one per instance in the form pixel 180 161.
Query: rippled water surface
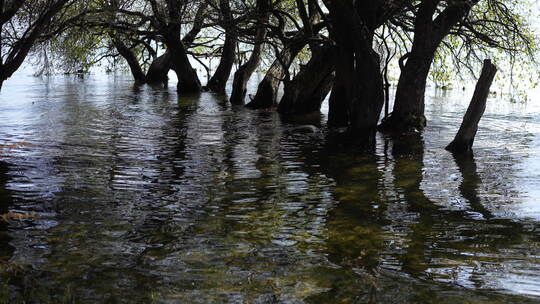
pixel 135 195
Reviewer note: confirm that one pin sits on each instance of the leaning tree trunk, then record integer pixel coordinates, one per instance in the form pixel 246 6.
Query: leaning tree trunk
pixel 130 58
pixel 307 90
pixel 219 80
pixel 464 139
pixel 244 72
pixel 267 91
pixel 159 68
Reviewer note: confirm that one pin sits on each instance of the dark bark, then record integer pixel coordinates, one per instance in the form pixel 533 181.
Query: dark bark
pixel 267 91
pixel 169 26
pixel 188 80
pixel 358 96
pixel 219 80
pixel 18 53
pixel 307 90
pixel 244 72
pixel 464 139
pixel 160 67
pixel 130 58
pixel 408 112
pixel 158 70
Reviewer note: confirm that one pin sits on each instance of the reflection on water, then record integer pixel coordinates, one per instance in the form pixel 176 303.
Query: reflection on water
pixel 144 196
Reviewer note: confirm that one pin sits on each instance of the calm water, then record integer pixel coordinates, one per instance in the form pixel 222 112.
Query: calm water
pixel 136 195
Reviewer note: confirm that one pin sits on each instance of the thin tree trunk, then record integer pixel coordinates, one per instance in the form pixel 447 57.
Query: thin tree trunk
pixel 464 139
pixel 244 72
pixel 219 80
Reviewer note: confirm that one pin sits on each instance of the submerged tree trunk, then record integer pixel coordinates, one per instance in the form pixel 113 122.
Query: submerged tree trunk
pixel 464 139
pixel 244 72
pixel 267 91
pixel 159 68
pixel 219 80
pixel 188 81
pixel 358 94
pixel 307 90
pixel 130 58
pixel 429 32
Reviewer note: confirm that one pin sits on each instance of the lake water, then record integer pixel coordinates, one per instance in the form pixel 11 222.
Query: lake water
pixel 135 195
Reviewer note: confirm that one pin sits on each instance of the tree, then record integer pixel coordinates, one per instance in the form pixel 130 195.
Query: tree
pixel 244 72
pixel 435 23
pixel 21 24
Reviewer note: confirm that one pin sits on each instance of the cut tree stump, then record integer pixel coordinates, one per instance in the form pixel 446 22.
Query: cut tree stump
pixel 464 139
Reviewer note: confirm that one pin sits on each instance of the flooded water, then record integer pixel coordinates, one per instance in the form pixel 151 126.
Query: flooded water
pixel 135 195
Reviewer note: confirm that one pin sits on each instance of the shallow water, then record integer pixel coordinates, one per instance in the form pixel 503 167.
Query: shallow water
pixel 136 195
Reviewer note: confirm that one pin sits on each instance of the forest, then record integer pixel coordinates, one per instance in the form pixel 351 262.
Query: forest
pixel 269 151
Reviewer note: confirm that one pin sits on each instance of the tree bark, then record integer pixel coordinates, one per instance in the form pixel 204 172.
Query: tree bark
pixel 358 94
pixel 24 44
pixel 130 58
pixel 188 80
pixel 219 80
pixel 464 139
pixel 307 90
pixel 429 32
pixel 244 72
pixel 267 91
pixel 159 68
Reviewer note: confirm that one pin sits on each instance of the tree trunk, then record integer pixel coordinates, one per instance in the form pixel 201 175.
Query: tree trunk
pixel 358 94
pixel 429 32
pixel 267 91
pixel 306 92
pixel 219 80
pixel 244 72
pixel 130 58
pixel 159 68
pixel 188 81
pixel 464 139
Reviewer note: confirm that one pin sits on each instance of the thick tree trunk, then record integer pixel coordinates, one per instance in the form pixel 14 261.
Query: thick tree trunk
pixel 408 112
pixel 219 80
pixel 130 58
pixel 188 81
pixel 358 94
pixel 244 72
pixel 338 111
pixel 464 139
pixel 306 92
pixel 159 68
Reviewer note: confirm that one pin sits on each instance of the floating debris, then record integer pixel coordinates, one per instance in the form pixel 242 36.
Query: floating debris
pixel 18 216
